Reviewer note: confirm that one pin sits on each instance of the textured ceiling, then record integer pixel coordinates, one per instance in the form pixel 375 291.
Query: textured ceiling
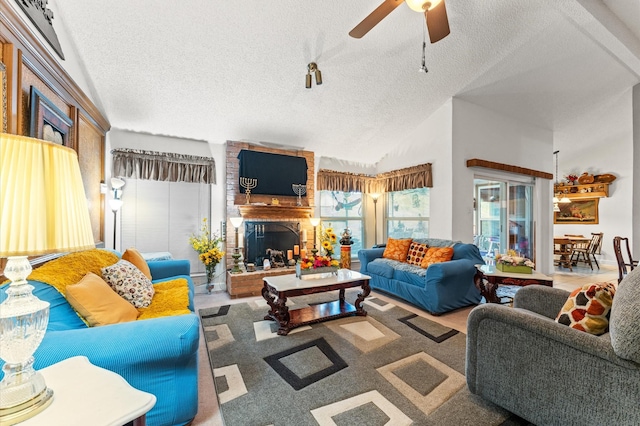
pixel 231 70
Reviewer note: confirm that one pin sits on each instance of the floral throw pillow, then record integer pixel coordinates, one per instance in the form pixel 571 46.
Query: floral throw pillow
pixel 587 308
pixel 437 255
pixel 130 283
pixel 397 249
pixel 416 253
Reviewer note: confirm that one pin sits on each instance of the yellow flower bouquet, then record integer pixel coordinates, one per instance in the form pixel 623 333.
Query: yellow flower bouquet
pixel 206 244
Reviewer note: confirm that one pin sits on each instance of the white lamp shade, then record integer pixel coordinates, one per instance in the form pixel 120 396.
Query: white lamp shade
pixel 375 195
pixel 43 207
pixel 115 204
pixel 315 221
pixel 236 221
pixel 422 5
pixel 117 183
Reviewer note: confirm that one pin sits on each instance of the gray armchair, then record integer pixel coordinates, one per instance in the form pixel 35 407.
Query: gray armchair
pixel 549 374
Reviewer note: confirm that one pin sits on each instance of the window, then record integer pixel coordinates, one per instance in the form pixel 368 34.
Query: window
pixel 160 216
pixel 408 213
pixel 340 210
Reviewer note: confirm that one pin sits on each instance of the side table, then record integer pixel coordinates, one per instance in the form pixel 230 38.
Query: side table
pixel 495 277
pixel 84 394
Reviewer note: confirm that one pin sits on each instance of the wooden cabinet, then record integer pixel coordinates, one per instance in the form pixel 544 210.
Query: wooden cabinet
pixel 590 190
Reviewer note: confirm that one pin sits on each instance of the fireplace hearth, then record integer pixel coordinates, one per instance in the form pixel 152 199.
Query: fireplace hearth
pixel 261 236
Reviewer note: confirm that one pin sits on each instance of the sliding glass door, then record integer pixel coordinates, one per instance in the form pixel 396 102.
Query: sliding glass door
pixel 503 217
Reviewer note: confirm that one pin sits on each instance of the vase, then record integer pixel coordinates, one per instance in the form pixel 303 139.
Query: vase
pixel 315 272
pixel 211 273
pixel 345 257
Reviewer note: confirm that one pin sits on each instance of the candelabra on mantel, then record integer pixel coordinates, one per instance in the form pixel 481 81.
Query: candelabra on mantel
pixel 299 190
pixel 248 184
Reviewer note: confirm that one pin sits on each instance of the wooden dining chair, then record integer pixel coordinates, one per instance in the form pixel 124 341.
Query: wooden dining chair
pixel 587 250
pixel 622 263
pixel 563 248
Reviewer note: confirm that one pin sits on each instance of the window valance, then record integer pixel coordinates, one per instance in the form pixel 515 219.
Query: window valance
pixel 397 180
pixel 330 180
pixel 163 166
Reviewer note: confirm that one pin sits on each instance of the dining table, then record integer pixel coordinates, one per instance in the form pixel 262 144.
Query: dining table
pixel 563 240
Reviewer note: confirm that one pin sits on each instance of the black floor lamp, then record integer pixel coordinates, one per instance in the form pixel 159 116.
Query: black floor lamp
pixel 116 203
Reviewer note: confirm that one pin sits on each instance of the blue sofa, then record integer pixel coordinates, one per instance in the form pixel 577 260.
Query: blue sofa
pixel 159 355
pixel 440 288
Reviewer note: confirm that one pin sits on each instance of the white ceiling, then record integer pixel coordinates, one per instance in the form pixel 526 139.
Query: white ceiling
pixel 235 70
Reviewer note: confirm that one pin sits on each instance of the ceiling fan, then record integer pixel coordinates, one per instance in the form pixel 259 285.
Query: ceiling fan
pixel 434 11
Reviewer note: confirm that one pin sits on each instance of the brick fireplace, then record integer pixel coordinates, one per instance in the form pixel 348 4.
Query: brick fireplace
pixel 263 209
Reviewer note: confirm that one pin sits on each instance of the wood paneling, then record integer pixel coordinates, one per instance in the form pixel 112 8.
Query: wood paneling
pixel 91 158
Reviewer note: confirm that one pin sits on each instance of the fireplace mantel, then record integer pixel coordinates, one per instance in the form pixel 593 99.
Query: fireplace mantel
pixel 255 211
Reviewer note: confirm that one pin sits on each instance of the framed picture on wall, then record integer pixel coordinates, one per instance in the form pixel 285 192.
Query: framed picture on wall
pixel 580 211
pixel 47 121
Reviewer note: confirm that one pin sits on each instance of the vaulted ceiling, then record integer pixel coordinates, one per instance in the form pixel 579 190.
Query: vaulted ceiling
pixel 235 70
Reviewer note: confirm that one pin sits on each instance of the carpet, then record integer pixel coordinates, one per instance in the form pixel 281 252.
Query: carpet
pixel 390 367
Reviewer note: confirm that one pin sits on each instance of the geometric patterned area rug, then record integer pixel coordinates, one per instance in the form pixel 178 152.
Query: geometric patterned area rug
pixel 391 367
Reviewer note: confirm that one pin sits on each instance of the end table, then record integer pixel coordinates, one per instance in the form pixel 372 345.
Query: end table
pixel 84 394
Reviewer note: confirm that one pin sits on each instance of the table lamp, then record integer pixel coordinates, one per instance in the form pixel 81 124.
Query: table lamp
pixel 43 209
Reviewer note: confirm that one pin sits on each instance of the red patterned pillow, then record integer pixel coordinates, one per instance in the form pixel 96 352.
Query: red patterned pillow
pixel 587 308
pixel 416 253
pixel 397 249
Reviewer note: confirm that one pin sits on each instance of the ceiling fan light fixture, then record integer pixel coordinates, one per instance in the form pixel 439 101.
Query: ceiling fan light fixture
pixel 312 67
pixel 422 6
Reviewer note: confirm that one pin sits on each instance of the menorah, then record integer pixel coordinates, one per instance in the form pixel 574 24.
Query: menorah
pixel 248 184
pixel 299 190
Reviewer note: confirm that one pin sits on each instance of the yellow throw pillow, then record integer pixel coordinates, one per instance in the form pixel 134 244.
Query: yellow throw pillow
pixel 97 303
pixel 397 249
pixel 437 255
pixel 133 256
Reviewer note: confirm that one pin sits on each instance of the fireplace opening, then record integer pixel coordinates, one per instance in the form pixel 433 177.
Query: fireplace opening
pixel 261 236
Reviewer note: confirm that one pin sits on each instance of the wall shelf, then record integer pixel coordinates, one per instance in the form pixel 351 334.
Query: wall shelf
pixel 590 190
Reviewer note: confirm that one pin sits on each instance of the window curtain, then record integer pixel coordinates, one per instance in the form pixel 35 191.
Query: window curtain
pixel 408 178
pixel 163 166
pixel 397 180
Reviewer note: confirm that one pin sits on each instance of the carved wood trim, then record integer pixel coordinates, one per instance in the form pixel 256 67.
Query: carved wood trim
pixel 251 211
pixel 476 162
pixel 56 76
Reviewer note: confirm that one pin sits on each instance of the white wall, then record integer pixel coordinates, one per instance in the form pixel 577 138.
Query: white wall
pixel 602 142
pixel 430 142
pixel 487 135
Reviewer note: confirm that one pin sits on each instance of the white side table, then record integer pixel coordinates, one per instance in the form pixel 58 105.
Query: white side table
pixel 84 394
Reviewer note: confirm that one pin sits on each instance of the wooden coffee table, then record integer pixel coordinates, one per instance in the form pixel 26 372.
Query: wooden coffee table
pixel 494 277
pixel 277 288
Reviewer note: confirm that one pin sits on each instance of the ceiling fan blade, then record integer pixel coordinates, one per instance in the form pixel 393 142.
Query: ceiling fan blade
pixel 437 22
pixel 374 18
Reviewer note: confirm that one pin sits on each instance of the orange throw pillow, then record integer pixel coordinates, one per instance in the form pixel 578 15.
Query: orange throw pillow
pixel 397 249
pixel 97 303
pixel 133 256
pixel 437 255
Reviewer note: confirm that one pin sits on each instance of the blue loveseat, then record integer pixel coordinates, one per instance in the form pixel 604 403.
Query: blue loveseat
pixel 159 355
pixel 440 288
